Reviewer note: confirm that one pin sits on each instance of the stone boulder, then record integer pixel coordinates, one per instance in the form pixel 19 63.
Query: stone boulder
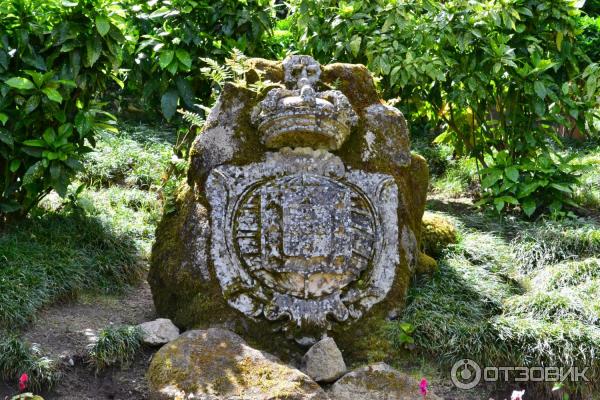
pixel 377 382
pixel 159 331
pixel 217 364
pixel 281 268
pixel 438 232
pixel 324 362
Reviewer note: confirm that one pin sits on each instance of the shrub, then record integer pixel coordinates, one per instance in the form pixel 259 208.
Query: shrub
pixel 501 76
pixel 175 35
pixel 115 346
pixel 56 59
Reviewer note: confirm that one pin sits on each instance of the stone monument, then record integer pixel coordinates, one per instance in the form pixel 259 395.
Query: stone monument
pixel 302 210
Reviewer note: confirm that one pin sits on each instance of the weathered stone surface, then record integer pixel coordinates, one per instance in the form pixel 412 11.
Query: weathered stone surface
pixel 159 331
pixel 293 236
pixel 377 382
pixel 324 362
pixel 299 115
pixel 308 263
pixel 217 364
pixel 437 233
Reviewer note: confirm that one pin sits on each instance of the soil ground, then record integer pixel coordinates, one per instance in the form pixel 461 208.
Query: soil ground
pixel 64 330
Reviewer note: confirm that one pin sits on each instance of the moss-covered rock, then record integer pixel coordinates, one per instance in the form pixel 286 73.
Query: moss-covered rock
pixel 218 364
pixel 438 232
pixel 378 381
pixel 426 264
pixel 183 277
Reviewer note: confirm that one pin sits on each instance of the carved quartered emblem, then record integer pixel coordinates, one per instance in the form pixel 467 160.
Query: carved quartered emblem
pixel 300 239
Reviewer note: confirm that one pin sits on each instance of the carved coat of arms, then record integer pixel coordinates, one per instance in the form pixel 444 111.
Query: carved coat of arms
pixel 300 238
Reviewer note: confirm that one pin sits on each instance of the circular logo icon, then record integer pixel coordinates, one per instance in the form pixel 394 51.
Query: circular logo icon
pixel 465 374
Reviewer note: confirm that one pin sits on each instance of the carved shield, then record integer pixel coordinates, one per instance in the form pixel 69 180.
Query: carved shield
pixel 301 239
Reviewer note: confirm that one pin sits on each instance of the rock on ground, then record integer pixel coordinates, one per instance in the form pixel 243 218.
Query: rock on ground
pixel 377 382
pixel 324 362
pixel 217 364
pixel 159 331
pixel 437 233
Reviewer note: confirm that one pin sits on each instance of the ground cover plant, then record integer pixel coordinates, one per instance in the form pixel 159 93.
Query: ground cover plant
pixel 115 346
pixel 511 293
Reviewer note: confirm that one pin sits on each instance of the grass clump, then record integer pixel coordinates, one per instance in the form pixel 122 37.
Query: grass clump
pixel 59 254
pixel 128 211
pixel 18 357
pixel 525 297
pixel 459 179
pixel 550 242
pixel 115 346
pixel 567 274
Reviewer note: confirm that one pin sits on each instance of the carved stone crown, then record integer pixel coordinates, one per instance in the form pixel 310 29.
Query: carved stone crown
pixel 300 116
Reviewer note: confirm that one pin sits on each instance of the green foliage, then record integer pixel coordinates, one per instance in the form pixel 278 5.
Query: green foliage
pixel 500 76
pixel 485 303
pixel 115 346
pixel 175 36
pixel 400 333
pixel 56 58
pixel 121 159
pixel 18 357
pixel 60 254
pixel 550 242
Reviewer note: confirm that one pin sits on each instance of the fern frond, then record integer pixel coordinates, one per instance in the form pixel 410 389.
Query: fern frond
pixel 192 118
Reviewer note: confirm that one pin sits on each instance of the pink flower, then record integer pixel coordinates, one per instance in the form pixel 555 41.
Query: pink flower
pixel 517 395
pixel 423 387
pixel 23 382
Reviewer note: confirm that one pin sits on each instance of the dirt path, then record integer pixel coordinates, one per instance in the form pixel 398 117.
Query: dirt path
pixel 63 331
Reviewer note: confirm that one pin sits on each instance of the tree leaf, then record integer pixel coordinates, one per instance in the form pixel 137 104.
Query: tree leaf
pixel 35 143
pixel 102 25
pixel 49 135
pixel 3 118
pixel 32 103
pixel 355 45
pixel 165 58
pixel 168 103
pixel 559 40
pixel 52 94
pixel 561 187
pixel 491 178
pixel 540 89
pixel 33 173
pixel 93 49
pixel 529 207
pixel 184 57
pixel 512 173
pixel 185 91
pixel 499 204
pixel 14 165
pixel 20 83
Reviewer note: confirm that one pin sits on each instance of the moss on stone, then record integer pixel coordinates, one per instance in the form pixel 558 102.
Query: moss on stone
pixel 183 294
pixel 426 264
pixel 217 362
pixel 438 232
